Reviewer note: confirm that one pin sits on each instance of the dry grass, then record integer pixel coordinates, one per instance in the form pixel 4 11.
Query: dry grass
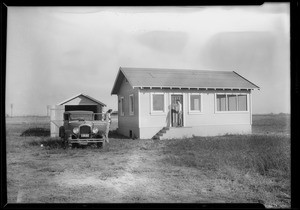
pixel 255 153
pixel 230 168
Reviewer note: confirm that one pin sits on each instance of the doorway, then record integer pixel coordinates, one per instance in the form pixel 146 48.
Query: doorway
pixel 176 117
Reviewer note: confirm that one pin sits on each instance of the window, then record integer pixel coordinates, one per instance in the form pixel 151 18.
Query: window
pixel 157 102
pixel 122 106
pixel 242 102
pixel 195 103
pixel 231 102
pixel 131 104
pixel 221 102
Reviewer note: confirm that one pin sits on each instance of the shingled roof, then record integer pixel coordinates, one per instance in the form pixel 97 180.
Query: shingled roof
pixel 181 78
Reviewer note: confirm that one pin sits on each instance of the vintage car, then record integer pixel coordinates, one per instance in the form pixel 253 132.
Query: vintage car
pixel 81 128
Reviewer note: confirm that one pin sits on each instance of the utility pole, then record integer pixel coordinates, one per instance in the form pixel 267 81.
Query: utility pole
pixel 11 110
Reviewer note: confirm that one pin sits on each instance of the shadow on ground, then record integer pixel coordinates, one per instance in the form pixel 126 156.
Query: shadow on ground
pixel 115 135
pixel 36 132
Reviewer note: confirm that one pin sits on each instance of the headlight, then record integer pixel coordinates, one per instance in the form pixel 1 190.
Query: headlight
pixel 95 130
pixel 76 130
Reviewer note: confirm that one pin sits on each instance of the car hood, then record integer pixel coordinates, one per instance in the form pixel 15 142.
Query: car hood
pixel 74 124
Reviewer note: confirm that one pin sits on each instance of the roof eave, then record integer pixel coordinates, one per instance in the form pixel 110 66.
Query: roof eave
pixel 95 100
pixel 247 80
pixel 69 99
pixel 81 94
pixel 181 87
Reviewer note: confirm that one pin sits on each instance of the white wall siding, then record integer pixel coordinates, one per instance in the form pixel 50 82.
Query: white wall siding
pixel 209 116
pixel 56 119
pixel 145 123
pixel 148 119
pixel 208 119
pixel 128 122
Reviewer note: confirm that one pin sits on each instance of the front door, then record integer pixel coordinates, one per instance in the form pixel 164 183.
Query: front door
pixel 176 111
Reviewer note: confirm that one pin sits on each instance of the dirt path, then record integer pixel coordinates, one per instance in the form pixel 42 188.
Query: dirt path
pixel 135 176
pixel 131 185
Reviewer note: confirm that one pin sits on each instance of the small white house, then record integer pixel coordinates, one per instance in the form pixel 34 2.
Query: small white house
pixel 81 102
pixel 213 102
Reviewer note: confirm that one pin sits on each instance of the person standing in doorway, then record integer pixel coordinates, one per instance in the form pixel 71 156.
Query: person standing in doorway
pixel 174 114
pixel 179 113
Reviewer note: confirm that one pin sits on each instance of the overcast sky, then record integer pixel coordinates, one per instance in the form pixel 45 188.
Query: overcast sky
pixel 54 53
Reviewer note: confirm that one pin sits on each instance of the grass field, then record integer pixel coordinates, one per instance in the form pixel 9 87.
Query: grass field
pixel 223 169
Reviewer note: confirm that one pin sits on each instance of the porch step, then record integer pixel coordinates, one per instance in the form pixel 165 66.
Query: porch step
pixel 160 133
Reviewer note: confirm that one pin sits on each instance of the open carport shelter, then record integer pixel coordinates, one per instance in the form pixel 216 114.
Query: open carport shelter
pixel 78 102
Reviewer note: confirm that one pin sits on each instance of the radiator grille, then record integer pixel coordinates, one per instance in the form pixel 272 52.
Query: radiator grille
pixel 85 129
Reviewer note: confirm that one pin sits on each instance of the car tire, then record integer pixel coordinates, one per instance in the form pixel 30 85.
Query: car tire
pixel 62 131
pixel 100 145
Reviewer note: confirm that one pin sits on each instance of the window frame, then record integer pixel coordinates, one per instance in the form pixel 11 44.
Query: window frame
pixel 131 108
pixel 122 101
pixel 201 104
pixel 237 103
pixel 247 102
pixel 156 112
pixel 228 102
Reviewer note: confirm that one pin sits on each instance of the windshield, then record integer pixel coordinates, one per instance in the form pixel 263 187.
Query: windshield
pixel 81 116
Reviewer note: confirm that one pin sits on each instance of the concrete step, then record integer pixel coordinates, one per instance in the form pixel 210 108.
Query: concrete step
pixel 160 133
pixel 178 132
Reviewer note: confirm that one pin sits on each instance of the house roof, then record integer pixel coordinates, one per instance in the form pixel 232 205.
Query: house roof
pixel 181 78
pixel 86 96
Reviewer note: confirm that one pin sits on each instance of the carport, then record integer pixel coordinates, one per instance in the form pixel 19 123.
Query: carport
pixel 75 103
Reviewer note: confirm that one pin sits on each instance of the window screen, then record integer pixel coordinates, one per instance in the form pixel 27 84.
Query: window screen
pixel 221 102
pixel 131 104
pixel 158 102
pixel 195 104
pixel 232 103
pixel 242 101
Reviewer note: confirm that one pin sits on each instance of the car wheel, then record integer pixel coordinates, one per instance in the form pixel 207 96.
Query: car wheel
pixel 62 131
pixel 100 144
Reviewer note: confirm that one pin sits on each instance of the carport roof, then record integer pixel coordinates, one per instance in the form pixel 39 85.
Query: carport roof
pixel 181 78
pixel 81 94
